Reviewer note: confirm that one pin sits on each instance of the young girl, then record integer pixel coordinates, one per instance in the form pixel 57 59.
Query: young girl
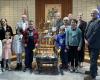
pixel 18 48
pixel 7 50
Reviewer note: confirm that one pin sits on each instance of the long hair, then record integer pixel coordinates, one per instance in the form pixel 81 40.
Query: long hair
pixel 1 21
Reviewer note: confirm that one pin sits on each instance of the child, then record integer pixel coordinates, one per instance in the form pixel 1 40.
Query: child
pixel 18 48
pixel 60 43
pixel 73 43
pixel 0 51
pixel 30 37
pixel 7 50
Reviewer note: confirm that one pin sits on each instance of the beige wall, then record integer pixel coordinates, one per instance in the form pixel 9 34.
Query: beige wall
pixel 85 7
pixel 12 10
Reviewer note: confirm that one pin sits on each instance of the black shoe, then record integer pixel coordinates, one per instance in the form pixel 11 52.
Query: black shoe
pixel 87 72
pixel 20 66
pixel 24 70
pixel 31 70
pixel 2 69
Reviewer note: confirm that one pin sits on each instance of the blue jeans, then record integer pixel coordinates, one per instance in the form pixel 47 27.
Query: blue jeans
pixel 64 56
pixel 94 54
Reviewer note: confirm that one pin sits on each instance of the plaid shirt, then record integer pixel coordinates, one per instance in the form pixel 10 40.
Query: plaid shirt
pixel 35 35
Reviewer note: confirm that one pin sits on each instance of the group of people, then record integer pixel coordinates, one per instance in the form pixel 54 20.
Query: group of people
pixel 72 35
pixel 25 40
pixel 70 42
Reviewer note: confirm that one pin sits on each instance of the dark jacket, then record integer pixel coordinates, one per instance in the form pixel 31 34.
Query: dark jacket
pixel 35 36
pixel 2 32
pixel 82 26
pixel 92 33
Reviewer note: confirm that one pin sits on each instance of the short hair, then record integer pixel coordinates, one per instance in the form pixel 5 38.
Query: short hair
pixel 65 18
pixel 95 10
pixel 24 15
pixel 74 20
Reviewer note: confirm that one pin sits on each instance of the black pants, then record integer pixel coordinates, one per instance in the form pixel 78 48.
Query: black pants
pixel 64 57
pixel 73 55
pixel 2 63
pixel 28 57
pixel 81 54
pixel 7 61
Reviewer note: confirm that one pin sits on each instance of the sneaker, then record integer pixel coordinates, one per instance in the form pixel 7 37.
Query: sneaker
pixel 31 70
pixel 76 70
pixel 2 69
pixel 24 70
pixel 89 78
pixel 72 69
pixel 9 69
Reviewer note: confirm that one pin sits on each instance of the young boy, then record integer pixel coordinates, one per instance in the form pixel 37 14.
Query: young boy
pixel 30 37
pixel 60 43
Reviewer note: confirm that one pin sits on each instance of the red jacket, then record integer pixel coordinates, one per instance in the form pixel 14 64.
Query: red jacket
pixel 35 35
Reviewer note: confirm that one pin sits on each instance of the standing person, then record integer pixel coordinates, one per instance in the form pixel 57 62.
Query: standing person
pixel 82 25
pixel 92 36
pixel 70 17
pixel 4 27
pixel 7 50
pixel 60 43
pixel 59 21
pixel 31 41
pixel 66 25
pixel 18 48
pixel 73 43
pixel 23 23
pixel 1 54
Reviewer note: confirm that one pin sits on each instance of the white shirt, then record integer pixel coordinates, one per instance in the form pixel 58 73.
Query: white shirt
pixel 17 44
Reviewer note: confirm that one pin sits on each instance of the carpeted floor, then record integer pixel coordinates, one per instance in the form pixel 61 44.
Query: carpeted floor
pixel 46 75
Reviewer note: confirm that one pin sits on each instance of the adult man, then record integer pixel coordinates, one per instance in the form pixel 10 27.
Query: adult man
pixel 59 21
pixel 70 17
pixel 23 23
pixel 82 25
pixel 92 36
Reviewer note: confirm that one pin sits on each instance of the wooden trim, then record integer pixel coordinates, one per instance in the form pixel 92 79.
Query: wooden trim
pixel 40 10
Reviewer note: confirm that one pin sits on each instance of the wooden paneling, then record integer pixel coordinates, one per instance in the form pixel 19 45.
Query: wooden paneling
pixel 40 10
